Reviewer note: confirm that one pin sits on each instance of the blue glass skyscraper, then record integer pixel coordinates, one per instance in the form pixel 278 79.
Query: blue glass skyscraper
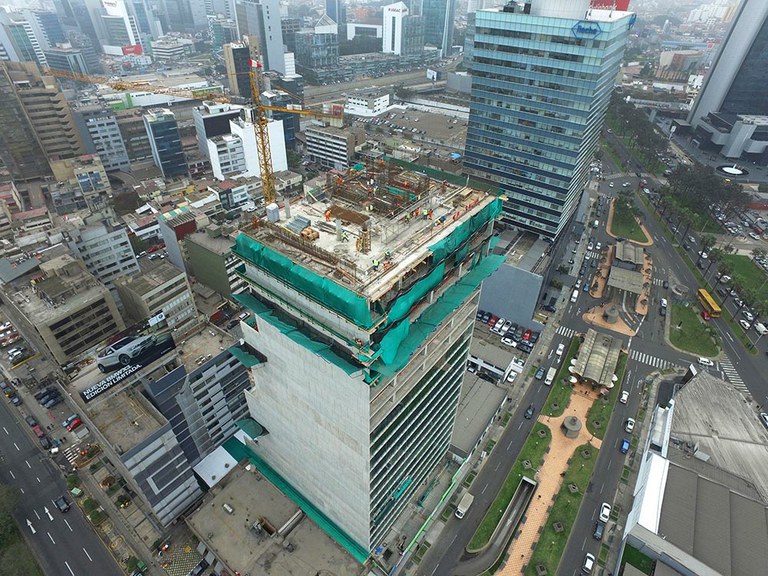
pixel 542 77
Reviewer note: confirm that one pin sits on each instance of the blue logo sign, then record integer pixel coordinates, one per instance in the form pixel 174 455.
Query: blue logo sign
pixel 586 29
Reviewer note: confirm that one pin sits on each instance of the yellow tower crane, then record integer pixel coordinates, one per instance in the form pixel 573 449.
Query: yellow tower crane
pixel 260 119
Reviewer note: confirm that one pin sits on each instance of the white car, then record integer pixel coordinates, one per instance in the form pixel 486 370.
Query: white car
pixel 610 184
pixel 703 254
pixel 605 512
pixel 748 315
pixel 624 396
pixel 123 351
pixel 725 278
pixel 754 236
pixel 589 564
pixel 629 425
pixel 509 342
pixel 705 362
pixel 598 246
pixel 744 324
pixel 663 302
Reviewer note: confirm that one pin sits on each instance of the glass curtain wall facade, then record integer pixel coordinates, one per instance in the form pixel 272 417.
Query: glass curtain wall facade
pixel 438 23
pixel 747 93
pixel 540 90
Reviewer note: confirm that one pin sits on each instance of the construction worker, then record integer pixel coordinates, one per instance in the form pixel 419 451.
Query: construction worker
pixel 344 236
pixel 375 265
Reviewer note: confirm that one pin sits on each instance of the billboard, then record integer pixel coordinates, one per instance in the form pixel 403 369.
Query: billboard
pixel 134 49
pixel 127 352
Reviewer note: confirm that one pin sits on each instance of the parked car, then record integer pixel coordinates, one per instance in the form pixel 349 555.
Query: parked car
pixel 624 448
pixel 74 424
pixel 123 351
pixel 45 442
pixel 38 431
pixel 764 419
pixel 508 342
pixel 16 401
pixel 589 564
pixel 624 396
pixel 548 308
pixel 599 529
pixel 31 420
pixel 705 362
pixel 539 373
pixel 605 512
pixel 629 425
pixel 55 401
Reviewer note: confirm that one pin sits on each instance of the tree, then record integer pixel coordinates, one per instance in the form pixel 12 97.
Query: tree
pixel 723 269
pixel 707 242
pixel 714 256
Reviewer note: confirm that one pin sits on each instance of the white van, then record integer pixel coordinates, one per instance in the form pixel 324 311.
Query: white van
pixel 761 328
pixel 575 296
pixel 551 373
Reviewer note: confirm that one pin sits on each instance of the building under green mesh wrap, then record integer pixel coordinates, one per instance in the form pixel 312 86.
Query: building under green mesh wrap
pixel 404 338
pixel 448 245
pixel 323 290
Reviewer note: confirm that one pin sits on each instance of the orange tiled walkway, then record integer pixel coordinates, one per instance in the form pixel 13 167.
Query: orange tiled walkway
pixel 549 478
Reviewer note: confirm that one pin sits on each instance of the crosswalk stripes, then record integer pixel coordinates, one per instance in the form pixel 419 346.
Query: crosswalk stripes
pixel 732 375
pixel 72 452
pixel 658 282
pixel 565 331
pixel 649 359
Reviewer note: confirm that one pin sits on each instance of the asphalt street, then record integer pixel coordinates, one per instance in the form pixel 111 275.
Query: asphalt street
pixel 63 543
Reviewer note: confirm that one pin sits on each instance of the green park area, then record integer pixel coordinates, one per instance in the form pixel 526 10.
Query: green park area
pixel 625 220
pixel 688 332
pixel 529 460
pixel 752 278
pixel 554 536
pixel 600 412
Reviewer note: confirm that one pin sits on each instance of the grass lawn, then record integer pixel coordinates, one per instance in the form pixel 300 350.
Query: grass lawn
pixel 753 277
pixel 601 409
pixel 624 223
pixel 16 557
pixel 692 335
pixel 560 394
pixel 634 557
pixel 551 542
pixel 533 450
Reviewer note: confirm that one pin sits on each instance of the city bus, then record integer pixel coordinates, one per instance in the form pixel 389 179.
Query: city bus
pixel 708 303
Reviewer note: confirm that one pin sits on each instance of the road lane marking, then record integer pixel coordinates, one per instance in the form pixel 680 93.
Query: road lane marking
pixel 12 474
pixel 36 514
pixel 22 490
pixel 51 537
pixel 28 464
pixel 17 447
pixel 509 446
pixel 6 430
pixel 484 489
pixel 521 425
pixel 68 568
pixel 68 526
pixel 38 479
pixel 433 571
pixel 91 559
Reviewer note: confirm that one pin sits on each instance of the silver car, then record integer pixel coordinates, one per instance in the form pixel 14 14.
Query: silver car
pixel 123 351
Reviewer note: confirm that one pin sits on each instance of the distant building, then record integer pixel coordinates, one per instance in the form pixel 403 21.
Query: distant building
pixel 261 20
pixel 66 311
pixel 67 60
pixel 170 50
pixel 211 261
pixel 237 60
pixel 403 32
pixel 165 142
pixel 21 39
pixel 175 225
pixel 281 99
pixel 439 17
pixel 221 31
pixel 134 135
pixel 532 129
pixel 100 134
pixel 317 48
pixel 161 295
pixel 47 110
pixel 106 252
pixel 20 150
pixel 212 119
pixel 367 103
pixel 332 147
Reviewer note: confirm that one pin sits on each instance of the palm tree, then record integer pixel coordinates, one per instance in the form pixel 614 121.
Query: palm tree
pixel 714 256
pixel 723 269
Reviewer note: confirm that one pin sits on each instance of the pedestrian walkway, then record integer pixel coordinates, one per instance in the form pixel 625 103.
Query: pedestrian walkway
pixel 650 359
pixel 565 331
pixel 549 478
pixel 658 282
pixel 733 376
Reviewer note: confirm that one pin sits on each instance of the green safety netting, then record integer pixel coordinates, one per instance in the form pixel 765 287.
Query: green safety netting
pixel 461 253
pixel 403 193
pixel 290 331
pixel 494 242
pixel 448 245
pixel 323 290
pixel 402 340
pixel 404 303
pixel 240 451
pixel 246 358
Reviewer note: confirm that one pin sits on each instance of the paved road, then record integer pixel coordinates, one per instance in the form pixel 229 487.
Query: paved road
pixel 63 543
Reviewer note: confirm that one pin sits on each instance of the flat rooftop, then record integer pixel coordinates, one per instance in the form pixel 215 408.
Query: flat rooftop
pixel 231 534
pixel 711 413
pixel 477 407
pixel 154 273
pixel 197 349
pixel 125 419
pixel 361 218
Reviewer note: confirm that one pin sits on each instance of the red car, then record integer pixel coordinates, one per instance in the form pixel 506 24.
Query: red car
pixel 74 424
pixel 527 334
pixel 705 315
pixel 38 431
pixel 493 320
